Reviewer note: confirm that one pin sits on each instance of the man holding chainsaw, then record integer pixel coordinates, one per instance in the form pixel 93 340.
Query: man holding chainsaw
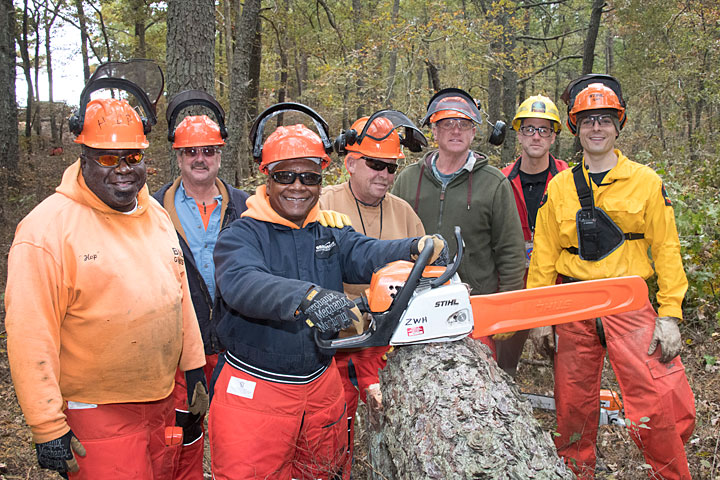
pixel 537 122
pixel 278 409
pixel 598 221
pixel 372 148
pixel 199 204
pixel 454 185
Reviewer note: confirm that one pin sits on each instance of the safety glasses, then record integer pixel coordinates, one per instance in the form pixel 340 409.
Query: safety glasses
pixel 452 123
pixel 379 165
pixel 192 152
pixel 288 178
pixel 529 131
pixel 604 120
pixel 114 160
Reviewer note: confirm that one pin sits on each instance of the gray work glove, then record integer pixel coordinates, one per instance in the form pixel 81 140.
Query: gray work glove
pixel 667 334
pixel 59 454
pixel 197 392
pixel 543 339
pixel 329 311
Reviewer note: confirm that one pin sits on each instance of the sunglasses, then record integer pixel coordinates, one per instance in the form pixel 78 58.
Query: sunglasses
pixel 379 165
pixel 114 160
pixel 288 178
pixel 192 152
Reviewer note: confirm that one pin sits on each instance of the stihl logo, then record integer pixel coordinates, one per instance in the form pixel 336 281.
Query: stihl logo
pixel 413 331
pixel 446 303
pixel 553 305
pixel 415 321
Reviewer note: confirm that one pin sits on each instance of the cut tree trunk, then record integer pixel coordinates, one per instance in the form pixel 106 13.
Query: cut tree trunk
pixel 449 412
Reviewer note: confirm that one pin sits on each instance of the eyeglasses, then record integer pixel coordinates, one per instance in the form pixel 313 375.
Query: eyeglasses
pixel 379 165
pixel 604 120
pixel 288 178
pixel 192 152
pixel 107 160
pixel 529 131
pixel 452 123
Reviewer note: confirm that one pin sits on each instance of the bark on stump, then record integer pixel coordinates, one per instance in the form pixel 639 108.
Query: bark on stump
pixel 449 412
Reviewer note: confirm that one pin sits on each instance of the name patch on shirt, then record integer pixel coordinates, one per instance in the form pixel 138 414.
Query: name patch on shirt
pixel 325 247
pixel 241 387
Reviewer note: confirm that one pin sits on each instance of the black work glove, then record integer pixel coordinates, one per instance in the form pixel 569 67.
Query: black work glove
pixel 440 255
pixel 329 311
pixel 197 391
pixel 59 454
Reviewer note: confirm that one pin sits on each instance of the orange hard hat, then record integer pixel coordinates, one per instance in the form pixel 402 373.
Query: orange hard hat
pixel 197 131
pixel 294 141
pixel 381 127
pixel 595 96
pixel 112 124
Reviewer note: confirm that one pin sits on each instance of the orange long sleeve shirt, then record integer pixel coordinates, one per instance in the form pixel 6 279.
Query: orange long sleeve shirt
pixel 98 306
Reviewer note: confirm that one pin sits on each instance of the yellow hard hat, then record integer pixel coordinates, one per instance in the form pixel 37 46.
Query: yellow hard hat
pixel 537 106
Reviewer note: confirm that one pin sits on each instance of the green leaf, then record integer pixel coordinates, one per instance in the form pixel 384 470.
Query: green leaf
pixel 644 419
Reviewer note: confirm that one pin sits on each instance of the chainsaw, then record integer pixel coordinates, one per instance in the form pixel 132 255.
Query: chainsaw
pixel 611 407
pixel 411 303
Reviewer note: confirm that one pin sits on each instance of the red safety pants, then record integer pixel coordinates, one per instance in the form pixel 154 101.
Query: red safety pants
pixel 261 429
pixel 649 389
pixel 358 370
pixel 122 440
pixel 186 460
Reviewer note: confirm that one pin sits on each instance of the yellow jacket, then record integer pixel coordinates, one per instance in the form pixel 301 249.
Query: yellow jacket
pixel 98 306
pixel 634 199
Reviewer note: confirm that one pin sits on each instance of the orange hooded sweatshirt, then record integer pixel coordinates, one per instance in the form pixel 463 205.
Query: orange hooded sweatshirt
pixel 98 306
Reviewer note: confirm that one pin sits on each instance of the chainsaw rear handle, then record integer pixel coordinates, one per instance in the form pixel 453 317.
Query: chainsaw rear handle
pixel 383 325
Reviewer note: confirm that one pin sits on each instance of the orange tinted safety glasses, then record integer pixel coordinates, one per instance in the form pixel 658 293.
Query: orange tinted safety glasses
pixel 107 160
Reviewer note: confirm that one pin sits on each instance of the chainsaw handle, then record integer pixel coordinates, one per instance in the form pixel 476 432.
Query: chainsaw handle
pixel 453 267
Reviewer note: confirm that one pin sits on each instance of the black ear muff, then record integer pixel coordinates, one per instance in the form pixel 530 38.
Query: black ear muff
pixel 497 136
pixel 346 138
pixel 75 124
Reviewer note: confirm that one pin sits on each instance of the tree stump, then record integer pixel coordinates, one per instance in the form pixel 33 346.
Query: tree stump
pixel 449 412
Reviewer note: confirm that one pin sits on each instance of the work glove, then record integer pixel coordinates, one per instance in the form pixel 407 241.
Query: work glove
pixel 333 219
pixel 667 335
pixel 329 311
pixel 197 391
pixel 440 250
pixel 59 454
pixel 543 339
pixel 502 336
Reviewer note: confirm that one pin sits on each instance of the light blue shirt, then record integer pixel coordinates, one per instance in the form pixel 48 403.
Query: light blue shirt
pixel 201 241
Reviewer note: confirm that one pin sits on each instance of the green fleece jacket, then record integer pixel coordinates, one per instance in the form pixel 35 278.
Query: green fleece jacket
pixel 481 202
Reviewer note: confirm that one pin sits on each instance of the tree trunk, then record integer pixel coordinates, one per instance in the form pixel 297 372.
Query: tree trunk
pixel 255 62
pixel 49 21
pixel 8 106
pixel 25 55
pixel 238 157
pixel 449 412
pixel 591 38
pixel 83 39
pixel 392 67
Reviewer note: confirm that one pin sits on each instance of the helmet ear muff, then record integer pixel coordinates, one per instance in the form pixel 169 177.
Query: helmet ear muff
pixel 497 136
pixel 346 138
pixel 75 124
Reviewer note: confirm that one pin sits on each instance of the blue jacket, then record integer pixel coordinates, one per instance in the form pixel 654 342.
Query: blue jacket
pixel 233 205
pixel 263 271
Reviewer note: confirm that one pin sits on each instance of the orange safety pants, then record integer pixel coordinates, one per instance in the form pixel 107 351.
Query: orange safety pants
pixel 263 429
pixel 649 389
pixel 122 440
pixel 358 370
pixel 186 460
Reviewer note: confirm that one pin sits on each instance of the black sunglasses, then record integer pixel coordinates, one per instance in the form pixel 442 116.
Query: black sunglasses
pixel 288 178
pixel 379 165
pixel 107 160
pixel 192 152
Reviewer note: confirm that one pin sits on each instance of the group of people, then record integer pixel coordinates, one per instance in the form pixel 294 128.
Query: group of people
pixel 127 314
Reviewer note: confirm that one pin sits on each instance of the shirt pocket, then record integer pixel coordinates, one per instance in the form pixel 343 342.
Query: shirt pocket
pixel 627 213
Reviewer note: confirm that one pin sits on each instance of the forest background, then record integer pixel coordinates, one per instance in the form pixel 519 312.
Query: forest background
pixel 348 58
